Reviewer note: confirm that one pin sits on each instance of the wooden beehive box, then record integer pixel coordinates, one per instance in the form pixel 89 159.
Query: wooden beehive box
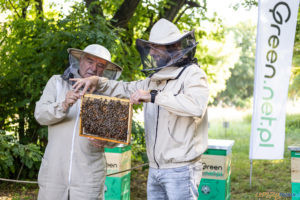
pixel 106 118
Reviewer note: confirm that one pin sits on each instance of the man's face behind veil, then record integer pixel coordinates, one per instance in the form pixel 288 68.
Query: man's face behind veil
pixel 91 66
pixel 160 55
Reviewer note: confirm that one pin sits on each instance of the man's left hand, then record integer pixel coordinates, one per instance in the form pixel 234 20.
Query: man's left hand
pixel 140 96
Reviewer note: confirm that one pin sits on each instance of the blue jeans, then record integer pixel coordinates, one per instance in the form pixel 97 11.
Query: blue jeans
pixel 179 183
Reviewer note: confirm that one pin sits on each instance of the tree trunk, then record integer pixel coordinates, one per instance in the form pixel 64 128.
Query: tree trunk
pixel 2 119
pixel 24 9
pixel 171 9
pixel 94 7
pixel 124 13
pixel 21 130
pixel 39 8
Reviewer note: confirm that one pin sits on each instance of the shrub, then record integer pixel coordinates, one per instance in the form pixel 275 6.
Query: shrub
pixel 18 160
pixel 138 143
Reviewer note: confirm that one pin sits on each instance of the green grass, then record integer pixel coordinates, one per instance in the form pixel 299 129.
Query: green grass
pixel 268 175
pixel 18 191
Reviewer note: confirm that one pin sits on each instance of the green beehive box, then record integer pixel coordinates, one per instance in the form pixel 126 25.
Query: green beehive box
pixel 214 189
pixel 215 182
pixel 117 187
pixel 295 171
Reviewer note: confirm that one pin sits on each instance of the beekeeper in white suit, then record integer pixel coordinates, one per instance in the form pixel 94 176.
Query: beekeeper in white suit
pixel 73 167
pixel 175 94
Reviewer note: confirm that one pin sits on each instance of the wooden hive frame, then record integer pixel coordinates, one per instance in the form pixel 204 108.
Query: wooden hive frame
pixel 93 96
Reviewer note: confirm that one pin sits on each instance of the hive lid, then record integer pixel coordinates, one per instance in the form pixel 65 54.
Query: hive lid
pixel 220 144
pixel 294 148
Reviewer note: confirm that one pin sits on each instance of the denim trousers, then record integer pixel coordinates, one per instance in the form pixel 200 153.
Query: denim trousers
pixel 179 183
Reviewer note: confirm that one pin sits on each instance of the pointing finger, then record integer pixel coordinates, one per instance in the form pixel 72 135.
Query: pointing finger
pixel 75 85
pixel 86 87
pixel 78 86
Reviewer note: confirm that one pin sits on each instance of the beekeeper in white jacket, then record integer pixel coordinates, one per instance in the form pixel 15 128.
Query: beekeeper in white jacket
pixel 175 96
pixel 73 167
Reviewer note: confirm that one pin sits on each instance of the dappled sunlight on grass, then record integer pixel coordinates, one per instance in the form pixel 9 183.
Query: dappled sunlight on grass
pixel 276 161
pixel 15 191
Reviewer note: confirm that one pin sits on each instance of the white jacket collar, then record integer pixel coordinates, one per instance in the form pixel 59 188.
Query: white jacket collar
pixel 166 73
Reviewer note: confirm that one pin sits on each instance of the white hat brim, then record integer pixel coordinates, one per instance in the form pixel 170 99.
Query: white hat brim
pixel 169 41
pixel 77 54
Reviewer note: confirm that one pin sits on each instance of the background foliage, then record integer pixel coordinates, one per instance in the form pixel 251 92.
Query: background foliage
pixel 295 77
pixel 239 87
pixel 33 46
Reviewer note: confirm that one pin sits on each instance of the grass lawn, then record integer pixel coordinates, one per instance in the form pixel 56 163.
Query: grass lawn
pixel 15 191
pixel 268 176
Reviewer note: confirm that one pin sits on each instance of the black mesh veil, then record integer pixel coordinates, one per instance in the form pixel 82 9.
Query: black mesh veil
pixel 155 57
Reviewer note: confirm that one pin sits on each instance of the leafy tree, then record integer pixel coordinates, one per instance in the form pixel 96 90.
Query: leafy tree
pixel 32 50
pixel 295 77
pixel 34 46
pixel 217 55
pixel 239 87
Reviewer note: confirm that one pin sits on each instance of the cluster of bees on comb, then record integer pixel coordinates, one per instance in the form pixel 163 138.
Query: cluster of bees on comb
pixel 105 118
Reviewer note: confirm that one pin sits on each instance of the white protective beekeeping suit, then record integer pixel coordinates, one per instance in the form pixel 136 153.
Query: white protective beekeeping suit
pixel 72 168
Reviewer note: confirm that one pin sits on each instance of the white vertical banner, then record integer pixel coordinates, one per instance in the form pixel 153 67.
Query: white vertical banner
pixel 274 51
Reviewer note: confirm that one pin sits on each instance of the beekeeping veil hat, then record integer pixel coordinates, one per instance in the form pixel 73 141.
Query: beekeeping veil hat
pixel 112 70
pixel 167 46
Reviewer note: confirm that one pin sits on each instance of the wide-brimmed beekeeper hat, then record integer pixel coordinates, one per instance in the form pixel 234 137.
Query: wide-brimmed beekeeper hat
pixel 98 51
pixel 165 33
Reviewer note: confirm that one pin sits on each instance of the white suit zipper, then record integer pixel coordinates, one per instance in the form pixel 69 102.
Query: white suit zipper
pixel 73 140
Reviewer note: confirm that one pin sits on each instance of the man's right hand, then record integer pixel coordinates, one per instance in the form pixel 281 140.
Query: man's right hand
pixel 90 84
pixel 70 99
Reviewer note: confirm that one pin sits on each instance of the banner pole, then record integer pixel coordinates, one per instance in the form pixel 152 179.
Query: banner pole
pixel 251 165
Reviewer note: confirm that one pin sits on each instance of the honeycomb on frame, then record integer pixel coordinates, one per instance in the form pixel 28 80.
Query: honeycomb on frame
pixel 106 118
